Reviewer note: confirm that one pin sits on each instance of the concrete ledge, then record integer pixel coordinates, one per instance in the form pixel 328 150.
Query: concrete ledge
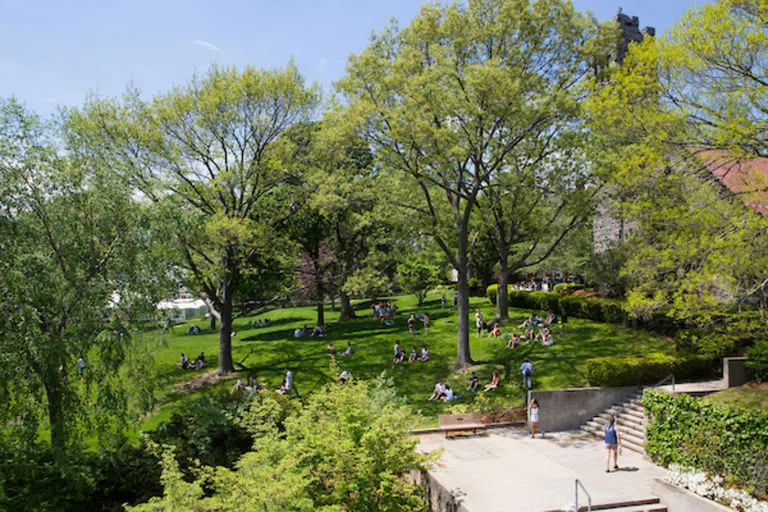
pixel 678 499
pixel 437 430
pixel 568 409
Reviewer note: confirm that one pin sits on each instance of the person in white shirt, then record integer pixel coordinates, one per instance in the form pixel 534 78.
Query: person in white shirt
pixel 439 391
pixel 448 394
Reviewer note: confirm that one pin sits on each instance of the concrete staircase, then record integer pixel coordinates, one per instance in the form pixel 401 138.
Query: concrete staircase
pixel 630 418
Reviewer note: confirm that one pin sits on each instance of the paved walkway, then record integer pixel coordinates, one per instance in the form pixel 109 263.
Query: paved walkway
pixel 709 386
pixel 507 471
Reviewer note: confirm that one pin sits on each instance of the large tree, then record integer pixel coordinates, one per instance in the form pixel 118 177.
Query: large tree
pixel 447 101
pixel 214 150
pixel 76 268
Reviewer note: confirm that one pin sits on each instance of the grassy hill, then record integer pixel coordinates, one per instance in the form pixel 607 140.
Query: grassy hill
pixel 268 351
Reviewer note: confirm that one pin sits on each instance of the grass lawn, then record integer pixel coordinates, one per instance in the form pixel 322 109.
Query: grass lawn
pixel 268 351
pixel 749 395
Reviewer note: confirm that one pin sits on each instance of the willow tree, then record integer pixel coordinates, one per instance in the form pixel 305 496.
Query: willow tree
pixel 213 152
pixel 447 101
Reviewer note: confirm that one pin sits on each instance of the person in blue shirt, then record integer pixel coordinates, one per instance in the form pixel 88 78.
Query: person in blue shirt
pixel 612 443
pixel 527 370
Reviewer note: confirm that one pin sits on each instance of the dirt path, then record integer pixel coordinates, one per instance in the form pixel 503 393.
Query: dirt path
pixel 201 381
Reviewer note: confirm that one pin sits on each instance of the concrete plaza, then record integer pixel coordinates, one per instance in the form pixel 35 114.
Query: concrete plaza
pixel 508 471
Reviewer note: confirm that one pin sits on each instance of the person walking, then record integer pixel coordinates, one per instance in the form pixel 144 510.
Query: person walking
pixel 533 416
pixel 426 322
pixel 612 443
pixel 527 370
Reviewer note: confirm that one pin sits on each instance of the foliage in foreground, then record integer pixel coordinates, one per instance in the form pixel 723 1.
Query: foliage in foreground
pixel 758 360
pixel 725 442
pixel 345 450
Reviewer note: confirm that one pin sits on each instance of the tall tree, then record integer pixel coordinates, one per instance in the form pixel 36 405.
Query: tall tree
pixel 215 150
pixel 446 102
pixel 73 273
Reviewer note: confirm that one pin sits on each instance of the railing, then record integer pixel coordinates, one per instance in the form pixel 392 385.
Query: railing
pixel 666 379
pixel 576 497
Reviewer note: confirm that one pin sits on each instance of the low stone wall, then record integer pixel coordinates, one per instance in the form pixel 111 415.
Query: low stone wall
pixel 438 497
pixel 735 371
pixel 678 499
pixel 568 409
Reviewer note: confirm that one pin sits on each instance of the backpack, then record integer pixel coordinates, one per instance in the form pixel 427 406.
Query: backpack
pixel 527 372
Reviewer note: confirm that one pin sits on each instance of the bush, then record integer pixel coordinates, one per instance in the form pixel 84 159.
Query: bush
pixel 757 360
pixel 725 442
pixel 567 288
pixel 648 368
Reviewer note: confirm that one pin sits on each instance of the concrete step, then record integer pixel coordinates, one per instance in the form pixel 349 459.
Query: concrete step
pixel 641 505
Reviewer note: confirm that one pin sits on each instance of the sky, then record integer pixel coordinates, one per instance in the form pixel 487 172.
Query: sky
pixel 55 52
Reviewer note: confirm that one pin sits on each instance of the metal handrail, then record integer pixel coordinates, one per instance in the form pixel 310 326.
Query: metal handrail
pixel 671 377
pixel 589 498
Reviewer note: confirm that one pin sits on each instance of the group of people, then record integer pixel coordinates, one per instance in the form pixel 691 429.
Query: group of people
pixel 347 352
pixel 187 364
pixel 259 323
pixel 384 310
pixel 424 320
pixel 319 331
pixel 253 385
pixel 414 356
pixel 193 329
pixel 444 392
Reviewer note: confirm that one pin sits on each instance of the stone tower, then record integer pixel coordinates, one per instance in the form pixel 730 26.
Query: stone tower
pixel 630 30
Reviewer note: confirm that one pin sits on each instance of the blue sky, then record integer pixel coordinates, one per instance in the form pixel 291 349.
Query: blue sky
pixel 54 51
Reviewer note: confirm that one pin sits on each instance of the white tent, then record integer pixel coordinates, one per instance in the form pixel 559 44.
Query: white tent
pixel 180 310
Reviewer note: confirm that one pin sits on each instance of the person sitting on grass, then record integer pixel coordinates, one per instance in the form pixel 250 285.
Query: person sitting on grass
pixel 449 396
pixel 200 361
pixel 494 382
pixel 283 387
pixel 514 341
pixel 399 354
pixel 543 334
pixel 239 385
pixel 529 336
pixel 348 351
pixel 551 319
pixel 528 322
pixel 183 361
pixel 414 355
pixel 496 331
pixel 345 376
pixel 331 349
pixel 474 380
pixel 547 340
pixel 438 393
pixel 253 384
pixel 424 354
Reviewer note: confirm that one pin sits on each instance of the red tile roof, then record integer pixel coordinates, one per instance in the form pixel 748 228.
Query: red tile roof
pixel 746 178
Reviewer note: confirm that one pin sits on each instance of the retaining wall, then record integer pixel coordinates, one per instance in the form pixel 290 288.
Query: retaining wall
pixel 439 498
pixel 678 499
pixel 568 409
pixel 735 371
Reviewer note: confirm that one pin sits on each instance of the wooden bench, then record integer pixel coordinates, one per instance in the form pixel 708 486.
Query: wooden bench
pixel 458 423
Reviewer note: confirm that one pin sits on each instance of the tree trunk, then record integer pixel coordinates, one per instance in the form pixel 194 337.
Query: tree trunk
pixel 346 308
pixel 226 364
pixel 502 280
pixel 463 357
pixel 213 323
pixel 320 313
pixel 54 395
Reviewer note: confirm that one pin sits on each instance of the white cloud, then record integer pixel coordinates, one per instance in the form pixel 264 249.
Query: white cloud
pixel 322 65
pixel 206 45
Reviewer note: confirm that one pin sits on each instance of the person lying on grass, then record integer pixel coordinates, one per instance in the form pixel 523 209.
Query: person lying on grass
pixel 348 351
pixel 494 382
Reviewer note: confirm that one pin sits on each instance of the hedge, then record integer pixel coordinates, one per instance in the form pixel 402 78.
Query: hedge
pixel 647 368
pixel 728 442
pixel 590 308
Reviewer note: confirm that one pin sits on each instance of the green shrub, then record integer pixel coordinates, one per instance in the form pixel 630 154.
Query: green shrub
pixel 491 291
pixel 757 360
pixel 730 443
pixel 567 288
pixel 648 368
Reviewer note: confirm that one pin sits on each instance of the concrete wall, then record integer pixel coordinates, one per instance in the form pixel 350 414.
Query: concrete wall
pixel 439 498
pixel 568 409
pixel 735 371
pixel 678 499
